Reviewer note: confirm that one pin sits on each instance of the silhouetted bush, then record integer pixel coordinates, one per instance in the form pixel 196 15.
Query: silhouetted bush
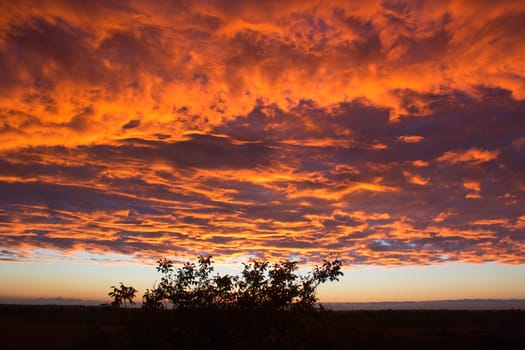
pixel 261 285
pixel 120 295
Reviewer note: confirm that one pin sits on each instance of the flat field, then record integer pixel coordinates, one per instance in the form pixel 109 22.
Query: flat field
pixel 77 327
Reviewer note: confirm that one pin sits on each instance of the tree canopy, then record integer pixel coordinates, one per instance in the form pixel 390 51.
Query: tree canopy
pixel 261 285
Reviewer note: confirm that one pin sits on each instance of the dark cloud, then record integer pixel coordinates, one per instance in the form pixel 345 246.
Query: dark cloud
pixel 388 132
pixel 131 124
pixel 269 206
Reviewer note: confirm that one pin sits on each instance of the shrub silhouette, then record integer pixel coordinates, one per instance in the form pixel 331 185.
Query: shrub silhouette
pixel 261 285
pixel 120 295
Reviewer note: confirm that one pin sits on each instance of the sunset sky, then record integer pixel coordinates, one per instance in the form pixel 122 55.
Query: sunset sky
pixel 388 133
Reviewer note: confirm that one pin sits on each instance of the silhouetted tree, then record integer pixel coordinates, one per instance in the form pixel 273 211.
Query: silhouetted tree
pixel 116 294
pixel 253 285
pixel 283 288
pixel 120 295
pixel 152 299
pixel 261 285
pixel 329 271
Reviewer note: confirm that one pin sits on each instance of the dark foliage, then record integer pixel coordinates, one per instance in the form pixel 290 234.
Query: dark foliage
pixel 261 285
pixel 120 295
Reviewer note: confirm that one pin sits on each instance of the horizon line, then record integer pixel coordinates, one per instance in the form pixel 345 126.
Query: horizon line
pixel 440 304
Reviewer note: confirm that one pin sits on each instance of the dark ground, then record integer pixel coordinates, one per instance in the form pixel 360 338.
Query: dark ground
pixel 75 327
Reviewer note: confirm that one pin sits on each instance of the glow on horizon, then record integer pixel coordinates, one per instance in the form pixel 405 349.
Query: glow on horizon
pixel 91 281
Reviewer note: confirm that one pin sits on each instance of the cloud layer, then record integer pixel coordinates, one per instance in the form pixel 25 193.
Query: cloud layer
pixel 384 132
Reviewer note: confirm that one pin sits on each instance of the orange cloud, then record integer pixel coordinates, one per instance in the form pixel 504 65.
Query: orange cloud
pixel 416 179
pixel 472 185
pixel 472 155
pixel 273 128
pixel 196 67
pixel 410 138
pixel 443 216
pixel 420 163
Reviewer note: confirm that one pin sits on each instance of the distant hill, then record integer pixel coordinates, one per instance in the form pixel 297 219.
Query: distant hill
pixel 49 301
pixel 464 304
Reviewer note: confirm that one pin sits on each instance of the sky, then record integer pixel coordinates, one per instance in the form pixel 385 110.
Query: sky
pixel 390 134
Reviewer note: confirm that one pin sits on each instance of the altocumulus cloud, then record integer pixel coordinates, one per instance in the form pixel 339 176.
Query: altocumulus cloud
pixel 385 132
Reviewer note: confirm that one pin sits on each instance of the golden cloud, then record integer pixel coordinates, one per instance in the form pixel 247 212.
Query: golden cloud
pixel 277 128
pixel 472 155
